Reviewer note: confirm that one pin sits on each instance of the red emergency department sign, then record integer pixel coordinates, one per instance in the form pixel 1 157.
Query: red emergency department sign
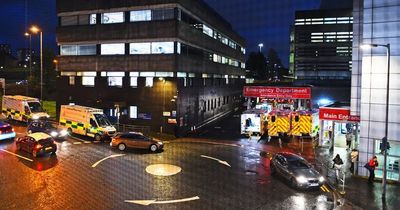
pixel 277 92
pixel 337 114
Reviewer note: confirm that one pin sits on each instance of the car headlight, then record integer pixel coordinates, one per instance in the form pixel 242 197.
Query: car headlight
pixel 301 179
pixel 321 179
pixel 53 134
pixel 35 117
pixel 160 143
pixel 63 132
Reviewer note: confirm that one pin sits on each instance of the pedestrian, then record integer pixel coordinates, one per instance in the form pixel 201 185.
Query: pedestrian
pixel 371 165
pixel 354 158
pixel 337 165
pixel 349 138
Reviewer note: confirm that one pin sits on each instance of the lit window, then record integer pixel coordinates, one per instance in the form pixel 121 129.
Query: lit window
pixel 113 17
pixel 207 30
pixel 141 15
pixel 87 49
pixel 133 112
pixel 139 48
pixel 178 47
pixel 114 81
pixel 68 50
pixel 162 47
pixel 71 80
pixel 149 82
pixel 134 82
pixel 88 81
pixel 93 19
pixel 113 49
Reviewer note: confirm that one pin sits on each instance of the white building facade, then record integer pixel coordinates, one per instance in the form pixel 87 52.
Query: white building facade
pixel 377 22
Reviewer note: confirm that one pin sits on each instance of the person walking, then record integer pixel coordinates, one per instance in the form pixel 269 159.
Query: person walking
pixel 371 166
pixel 353 158
pixel 349 138
pixel 337 165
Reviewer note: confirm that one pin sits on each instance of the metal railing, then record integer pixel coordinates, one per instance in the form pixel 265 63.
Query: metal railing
pixel 328 171
pixel 134 128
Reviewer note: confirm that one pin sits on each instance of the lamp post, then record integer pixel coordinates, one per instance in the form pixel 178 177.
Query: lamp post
pixel 261 45
pixel 30 60
pixel 36 30
pixel 163 106
pixel 387 46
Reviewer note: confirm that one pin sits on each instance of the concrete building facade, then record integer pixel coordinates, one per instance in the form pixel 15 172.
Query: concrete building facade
pixel 169 64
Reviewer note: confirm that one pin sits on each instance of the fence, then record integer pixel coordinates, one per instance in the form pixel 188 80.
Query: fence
pixel 134 128
pixel 333 176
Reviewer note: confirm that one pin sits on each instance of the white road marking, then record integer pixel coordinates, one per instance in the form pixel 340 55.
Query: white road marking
pixel 209 142
pixel 149 202
pixel 218 160
pixel 111 156
pixel 87 142
pixel 11 153
pixel 77 143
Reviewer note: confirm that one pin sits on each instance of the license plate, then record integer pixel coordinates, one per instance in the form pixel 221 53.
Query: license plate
pixel 48 148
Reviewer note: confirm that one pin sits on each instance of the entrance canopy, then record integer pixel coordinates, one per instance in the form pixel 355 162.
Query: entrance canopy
pixel 277 92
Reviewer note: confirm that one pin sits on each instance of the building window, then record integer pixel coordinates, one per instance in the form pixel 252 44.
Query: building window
pixel 88 81
pixel 78 50
pixel 149 82
pixel 71 80
pixel 133 112
pixel 163 14
pixel 140 15
pixel 112 17
pixel 68 50
pixel 114 81
pixel 92 19
pixel 162 47
pixel 134 82
pixel 207 30
pixel 140 48
pixel 69 20
pixel 113 49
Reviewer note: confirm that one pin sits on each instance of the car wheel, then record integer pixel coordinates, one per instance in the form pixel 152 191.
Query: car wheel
pixel 293 182
pixel 121 147
pixel 69 130
pixel 153 148
pixel 34 153
pixel 273 170
pixel 9 117
pixel 53 153
pixel 97 137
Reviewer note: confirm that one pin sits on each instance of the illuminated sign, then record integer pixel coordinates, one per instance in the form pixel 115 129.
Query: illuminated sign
pixel 337 114
pixel 277 92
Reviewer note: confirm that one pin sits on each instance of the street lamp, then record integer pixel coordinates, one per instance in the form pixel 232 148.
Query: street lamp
pixel 162 79
pixel 36 30
pixel 387 46
pixel 260 46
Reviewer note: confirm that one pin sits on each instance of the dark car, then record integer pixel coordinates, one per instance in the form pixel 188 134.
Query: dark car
pixel 135 140
pixel 296 170
pixel 46 127
pixel 37 144
pixel 6 131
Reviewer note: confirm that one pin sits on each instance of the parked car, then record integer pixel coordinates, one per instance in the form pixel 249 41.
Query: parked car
pixel 296 170
pixel 135 140
pixel 6 131
pixel 46 127
pixel 37 144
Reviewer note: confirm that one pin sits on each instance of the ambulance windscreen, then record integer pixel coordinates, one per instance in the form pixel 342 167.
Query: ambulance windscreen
pixel 35 107
pixel 102 120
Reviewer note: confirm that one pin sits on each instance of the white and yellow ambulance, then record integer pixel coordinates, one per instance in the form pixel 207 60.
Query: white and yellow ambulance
pixel 22 108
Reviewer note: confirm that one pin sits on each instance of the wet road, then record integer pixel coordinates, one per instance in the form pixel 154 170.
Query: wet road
pixel 69 180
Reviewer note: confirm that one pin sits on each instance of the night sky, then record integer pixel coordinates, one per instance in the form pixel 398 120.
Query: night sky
pixel 258 21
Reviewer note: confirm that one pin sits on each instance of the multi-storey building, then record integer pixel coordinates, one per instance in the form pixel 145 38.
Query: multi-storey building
pixel 321 46
pixel 169 64
pixel 377 22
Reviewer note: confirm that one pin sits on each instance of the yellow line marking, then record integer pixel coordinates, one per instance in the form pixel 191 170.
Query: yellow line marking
pixel 111 156
pixel 322 188
pixel 148 202
pixel 326 188
pixel 11 153
pixel 77 142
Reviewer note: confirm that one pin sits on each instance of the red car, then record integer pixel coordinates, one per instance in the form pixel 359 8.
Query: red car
pixel 37 144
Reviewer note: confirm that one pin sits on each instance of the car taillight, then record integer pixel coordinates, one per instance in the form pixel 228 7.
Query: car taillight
pixel 12 129
pixel 1 131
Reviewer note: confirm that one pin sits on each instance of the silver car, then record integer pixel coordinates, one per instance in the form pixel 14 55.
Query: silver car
pixel 295 169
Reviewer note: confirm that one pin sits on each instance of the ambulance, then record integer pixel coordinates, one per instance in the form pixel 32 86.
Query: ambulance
pixel 22 108
pixel 279 123
pixel 254 121
pixel 304 123
pixel 86 121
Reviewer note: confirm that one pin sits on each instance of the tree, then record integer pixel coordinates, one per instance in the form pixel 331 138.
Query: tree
pixel 256 64
pixel 49 75
pixel 275 68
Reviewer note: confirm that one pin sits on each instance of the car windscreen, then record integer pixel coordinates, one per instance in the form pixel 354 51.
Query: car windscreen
pixel 49 125
pixel 102 120
pixel 298 164
pixel 35 107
